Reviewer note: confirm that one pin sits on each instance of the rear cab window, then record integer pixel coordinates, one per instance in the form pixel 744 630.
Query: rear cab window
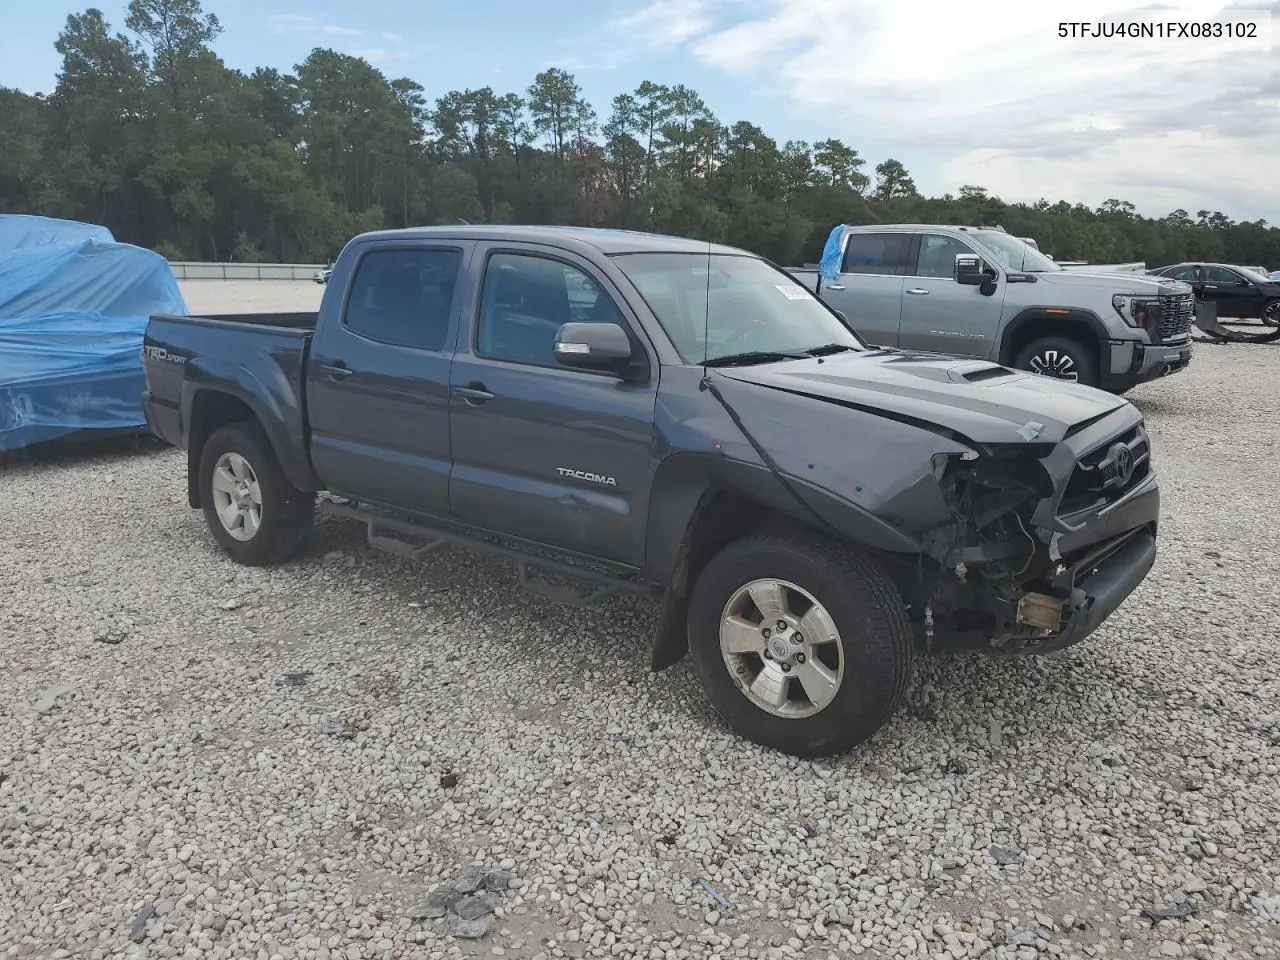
pixel 883 254
pixel 404 296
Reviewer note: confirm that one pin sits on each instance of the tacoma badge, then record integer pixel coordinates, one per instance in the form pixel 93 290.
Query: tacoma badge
pixel 587 475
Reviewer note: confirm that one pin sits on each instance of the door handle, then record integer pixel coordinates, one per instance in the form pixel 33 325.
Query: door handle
pixel 473 393
pixel 918 292
pixel 339 370
pixel 835 286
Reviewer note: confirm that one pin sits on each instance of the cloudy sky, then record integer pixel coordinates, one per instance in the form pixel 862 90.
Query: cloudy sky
pixel 983 92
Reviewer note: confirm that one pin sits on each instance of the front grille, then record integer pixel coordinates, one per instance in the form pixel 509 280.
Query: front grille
pixel 1174 316
pixel 1102 475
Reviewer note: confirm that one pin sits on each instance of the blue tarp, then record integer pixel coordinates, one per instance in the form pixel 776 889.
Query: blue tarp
pixel 19 230
pixel 829 265
pixel 73 311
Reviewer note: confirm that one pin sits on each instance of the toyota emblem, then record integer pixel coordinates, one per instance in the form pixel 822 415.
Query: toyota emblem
pixel 1124 464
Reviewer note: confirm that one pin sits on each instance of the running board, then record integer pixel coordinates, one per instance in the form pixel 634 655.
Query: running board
pixel 379 527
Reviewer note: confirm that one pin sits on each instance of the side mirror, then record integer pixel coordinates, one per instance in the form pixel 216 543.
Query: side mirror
pixel 968 270
pixel 592 346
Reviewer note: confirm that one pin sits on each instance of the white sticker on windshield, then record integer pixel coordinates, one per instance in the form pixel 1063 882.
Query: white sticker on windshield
pixel 792 291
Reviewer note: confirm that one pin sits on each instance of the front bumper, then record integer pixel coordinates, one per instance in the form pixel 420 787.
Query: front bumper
pixel 1101 586
pixel 1095 542
pixel 1133 363
pixel 1102 550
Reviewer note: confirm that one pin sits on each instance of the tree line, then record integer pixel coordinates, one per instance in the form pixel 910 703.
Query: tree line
pixel 148 132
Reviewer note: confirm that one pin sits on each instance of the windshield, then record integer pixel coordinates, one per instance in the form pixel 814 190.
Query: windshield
pixel 721 305
pixel 1254 275
pixel 1014 254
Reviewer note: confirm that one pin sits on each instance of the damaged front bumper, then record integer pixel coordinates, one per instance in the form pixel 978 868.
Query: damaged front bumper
pixel 1097 590
pixel 1041 556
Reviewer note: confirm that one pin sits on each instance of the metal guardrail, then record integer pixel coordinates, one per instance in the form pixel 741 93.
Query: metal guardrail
pixel 192 270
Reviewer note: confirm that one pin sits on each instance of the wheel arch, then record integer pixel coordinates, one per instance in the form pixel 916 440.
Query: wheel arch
pixel 1035 322
pixel 699 504
pixel 208 404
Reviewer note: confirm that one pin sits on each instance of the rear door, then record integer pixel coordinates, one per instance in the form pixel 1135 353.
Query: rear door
pixel 943 316
pixel 868 289
pixel 378 378
pixel 540 451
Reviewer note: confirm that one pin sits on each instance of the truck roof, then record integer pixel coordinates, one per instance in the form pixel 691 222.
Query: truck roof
pixel 873 227
pixel 605 241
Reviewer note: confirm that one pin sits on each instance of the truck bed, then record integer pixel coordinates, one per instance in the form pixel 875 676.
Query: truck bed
pixel 258 357
pixel 304 320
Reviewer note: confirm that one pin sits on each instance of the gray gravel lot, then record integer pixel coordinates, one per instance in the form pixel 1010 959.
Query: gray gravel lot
pixel 203 760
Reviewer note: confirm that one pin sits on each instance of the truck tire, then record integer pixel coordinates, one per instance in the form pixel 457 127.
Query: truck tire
pixel 1060 357
pixel 808 696
pixel 254 513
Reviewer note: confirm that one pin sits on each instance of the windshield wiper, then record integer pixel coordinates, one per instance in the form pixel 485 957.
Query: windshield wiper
pixel 755 356
pixel 828 348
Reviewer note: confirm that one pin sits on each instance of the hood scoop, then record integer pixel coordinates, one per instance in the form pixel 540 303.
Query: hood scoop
pixel 937 368
pixel 991 371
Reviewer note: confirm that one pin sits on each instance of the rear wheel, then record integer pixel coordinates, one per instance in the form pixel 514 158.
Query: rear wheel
pixel 1059 357
pixel 252 510
pixel 802 645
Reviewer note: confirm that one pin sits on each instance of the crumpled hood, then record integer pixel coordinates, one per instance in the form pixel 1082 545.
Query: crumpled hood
pixel 977 399
pixel 1134 283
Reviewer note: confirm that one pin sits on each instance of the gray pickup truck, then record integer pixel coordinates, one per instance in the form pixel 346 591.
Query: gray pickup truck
pixel 980 292
pixel 615 410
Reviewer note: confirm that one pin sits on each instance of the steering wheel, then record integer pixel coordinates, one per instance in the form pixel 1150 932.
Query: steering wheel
pixel 753 323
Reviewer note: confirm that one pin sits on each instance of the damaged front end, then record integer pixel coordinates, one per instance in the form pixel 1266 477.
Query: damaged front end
pixel 1044 542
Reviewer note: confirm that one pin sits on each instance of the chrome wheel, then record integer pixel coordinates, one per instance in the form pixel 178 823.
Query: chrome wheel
pixel 782 648
pixel 237 497
pixel 1271 314
pixel 1054 363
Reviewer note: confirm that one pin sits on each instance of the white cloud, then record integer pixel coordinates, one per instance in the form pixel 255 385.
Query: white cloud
pixel 658 27
pixel 1157 172
pixel 1019 108
pixel 665 22
pixel 297 23
pixel 379 54
pixel 347 39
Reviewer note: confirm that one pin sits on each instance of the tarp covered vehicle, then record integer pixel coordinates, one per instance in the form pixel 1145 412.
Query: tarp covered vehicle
pixel 74 305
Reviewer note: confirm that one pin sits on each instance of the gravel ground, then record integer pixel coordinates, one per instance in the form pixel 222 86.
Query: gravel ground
pixel 203 760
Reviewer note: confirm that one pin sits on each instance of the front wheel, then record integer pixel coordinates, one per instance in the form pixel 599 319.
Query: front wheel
pixel 1270 314
pixel 801 645
pixel 252 510
pixel 1062 358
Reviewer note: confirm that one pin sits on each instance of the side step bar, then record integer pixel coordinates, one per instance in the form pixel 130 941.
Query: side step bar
pixel 601 585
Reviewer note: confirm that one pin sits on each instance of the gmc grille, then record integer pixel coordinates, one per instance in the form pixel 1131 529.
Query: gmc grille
pixel 1174 316
pixel 1103 476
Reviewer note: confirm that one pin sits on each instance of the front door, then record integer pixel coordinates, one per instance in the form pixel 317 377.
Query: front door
pixel 942 316
pixel 1235 295
pixel 544 452
pixel 378 380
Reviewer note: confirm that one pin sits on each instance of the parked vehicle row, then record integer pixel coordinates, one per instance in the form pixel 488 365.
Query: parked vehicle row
pixel 1237 291
pixel 980 292
pixel 686 421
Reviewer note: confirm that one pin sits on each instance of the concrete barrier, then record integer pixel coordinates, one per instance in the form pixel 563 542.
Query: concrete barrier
pixel 192 270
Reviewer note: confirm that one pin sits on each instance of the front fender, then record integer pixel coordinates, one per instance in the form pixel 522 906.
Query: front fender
pixel 685 481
